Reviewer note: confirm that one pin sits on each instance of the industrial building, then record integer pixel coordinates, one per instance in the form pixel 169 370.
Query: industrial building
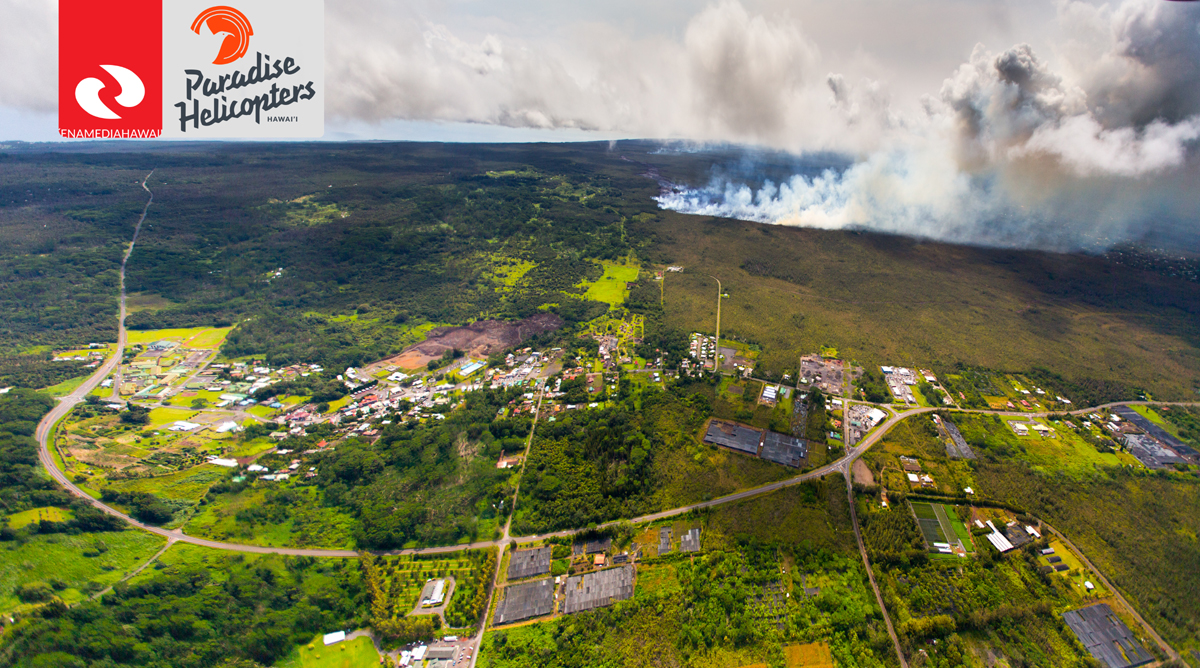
pixel 1106 637
pixel 528 563
pixel 599 589
pixel 525 600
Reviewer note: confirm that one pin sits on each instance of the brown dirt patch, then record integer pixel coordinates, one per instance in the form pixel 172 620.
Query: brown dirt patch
pixel 862 473
pixel 478 339
pixel 104 459
pixel 812 655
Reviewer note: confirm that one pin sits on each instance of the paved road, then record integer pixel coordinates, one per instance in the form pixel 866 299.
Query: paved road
pixel 862 549
pixel 1116 593
pixel 843 465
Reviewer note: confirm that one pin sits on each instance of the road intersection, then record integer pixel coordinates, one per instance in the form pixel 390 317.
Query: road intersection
pixel 46 428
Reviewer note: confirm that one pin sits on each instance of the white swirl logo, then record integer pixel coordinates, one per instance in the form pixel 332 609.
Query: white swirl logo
pixel 87 92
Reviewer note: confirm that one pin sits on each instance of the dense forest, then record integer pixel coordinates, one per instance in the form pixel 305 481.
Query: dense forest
pixel 431 483
pixel 415 247
pixel 280 237
pixel 22 484
pixel 36 371
pixel 243 612
pixel 593 466
pixel 890 534
pixel 64 226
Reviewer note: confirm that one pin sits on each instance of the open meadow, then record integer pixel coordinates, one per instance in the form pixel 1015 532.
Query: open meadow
pixel 70 567
pixel 892 300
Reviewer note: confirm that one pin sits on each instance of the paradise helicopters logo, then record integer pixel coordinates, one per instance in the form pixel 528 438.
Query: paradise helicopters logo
pixel 187 69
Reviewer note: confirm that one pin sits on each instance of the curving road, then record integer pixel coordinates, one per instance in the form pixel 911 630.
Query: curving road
pixel 45 430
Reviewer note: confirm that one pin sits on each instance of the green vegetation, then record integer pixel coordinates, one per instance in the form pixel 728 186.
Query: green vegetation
pixel 68 566
pixel 1064 451
pixel 1108 519
pixel 637 457
pixel 813 515
pixel 1002 607
pixel 356 653
pixel 273 514
pixel 891 300
pixel 431 484
pixel 36 515
pixel 346 254
pixel 890 534
pixel 610 287
pixel 917 437
pixel 22 485
pixel 196 608
pixel 400 579
pixel 735 604
pixel 38 371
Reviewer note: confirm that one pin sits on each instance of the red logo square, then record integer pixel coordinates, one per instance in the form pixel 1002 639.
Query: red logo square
pixel 110 69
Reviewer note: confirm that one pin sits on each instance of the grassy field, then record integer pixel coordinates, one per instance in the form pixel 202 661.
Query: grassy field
pixel 890 300
pixel 60 560
pixel 188 337
pixel 161 417
pixel 357 653
pixel 610 287
pixel 260 516
pixel 34 515
pixel 812 655
pixel 187 485
pixel 655 579
pixel 64 388
pixel 1077 573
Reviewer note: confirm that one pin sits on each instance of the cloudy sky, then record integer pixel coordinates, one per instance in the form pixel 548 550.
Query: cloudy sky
pixel 1013 122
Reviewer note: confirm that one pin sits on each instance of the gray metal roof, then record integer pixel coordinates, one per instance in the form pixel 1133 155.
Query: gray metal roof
pixel 1106 637
pixel 596 590
pixel 733 435
pixel 786 450
pixel 525 600
pixel 527 563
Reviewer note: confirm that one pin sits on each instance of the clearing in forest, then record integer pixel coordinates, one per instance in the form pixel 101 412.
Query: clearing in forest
pixel 812 655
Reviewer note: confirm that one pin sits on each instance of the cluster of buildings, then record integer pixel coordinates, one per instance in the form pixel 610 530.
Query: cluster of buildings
pixel 403 397
pixel 761 443
pixel 772 393
pixel 823 373
pixel 912 471
pixel 862 419
pixel 93 356
pixel 599 577
pixel 1023 428
pixel 703 352
pixel 1151 444
pixel 900 382
pixel 1013 536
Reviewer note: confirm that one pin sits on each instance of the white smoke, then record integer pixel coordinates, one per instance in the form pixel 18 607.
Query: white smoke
pixel 1014 153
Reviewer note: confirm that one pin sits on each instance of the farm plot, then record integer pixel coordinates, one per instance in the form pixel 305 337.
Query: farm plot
pixel 935 525
pixel 812 655
pixel 404 576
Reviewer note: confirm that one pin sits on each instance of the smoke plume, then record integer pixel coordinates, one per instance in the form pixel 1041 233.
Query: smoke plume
pixel 1014 153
